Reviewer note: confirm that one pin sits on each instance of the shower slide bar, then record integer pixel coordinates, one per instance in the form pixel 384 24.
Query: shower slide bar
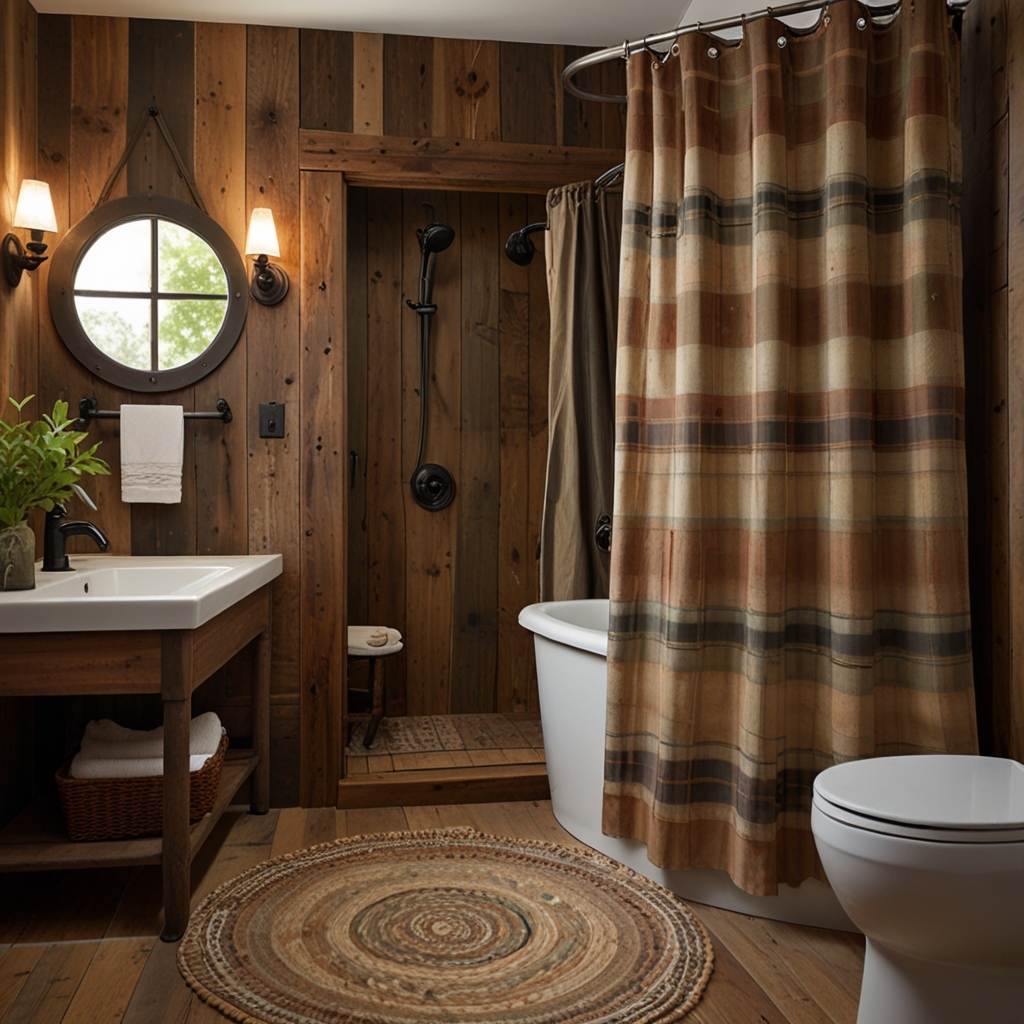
pixel 653 44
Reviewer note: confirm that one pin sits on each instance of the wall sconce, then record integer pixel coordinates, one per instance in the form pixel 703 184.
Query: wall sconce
pixel 35 212
pixel 270 282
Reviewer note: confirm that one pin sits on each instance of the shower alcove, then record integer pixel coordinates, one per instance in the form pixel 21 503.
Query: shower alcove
pixel 451 581
pixel 461 698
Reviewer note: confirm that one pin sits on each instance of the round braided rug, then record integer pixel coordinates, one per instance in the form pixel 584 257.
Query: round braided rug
pixel 446 925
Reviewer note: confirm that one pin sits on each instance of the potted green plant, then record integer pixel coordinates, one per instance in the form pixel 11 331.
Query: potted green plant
pixel 40 466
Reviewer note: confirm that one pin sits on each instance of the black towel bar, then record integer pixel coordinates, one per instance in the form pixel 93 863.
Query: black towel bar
pixel 88 409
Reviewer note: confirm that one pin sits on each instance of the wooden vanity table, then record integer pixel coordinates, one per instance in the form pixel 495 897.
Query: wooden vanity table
pixel 173 663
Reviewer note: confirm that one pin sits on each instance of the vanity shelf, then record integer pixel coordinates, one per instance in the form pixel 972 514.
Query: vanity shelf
pixel 171 662
pixel 36 839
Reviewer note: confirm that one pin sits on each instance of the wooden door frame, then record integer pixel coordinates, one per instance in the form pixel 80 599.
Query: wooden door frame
pixel 458 165
pixel 381 161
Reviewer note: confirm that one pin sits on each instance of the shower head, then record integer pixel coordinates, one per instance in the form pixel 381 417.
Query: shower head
pixel 520 248
pixel 435 237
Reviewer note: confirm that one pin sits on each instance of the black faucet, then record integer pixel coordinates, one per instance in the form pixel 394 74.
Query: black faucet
pixel 54 558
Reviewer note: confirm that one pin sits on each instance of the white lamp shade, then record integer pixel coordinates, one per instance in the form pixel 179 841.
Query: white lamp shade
pixel 262 240
pixel 35 207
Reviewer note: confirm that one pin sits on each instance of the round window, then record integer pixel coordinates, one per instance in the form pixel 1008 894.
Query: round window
pixel 149 293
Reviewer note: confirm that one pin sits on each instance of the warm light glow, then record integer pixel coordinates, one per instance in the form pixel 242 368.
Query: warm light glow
pixel 35 207
pixel 262 240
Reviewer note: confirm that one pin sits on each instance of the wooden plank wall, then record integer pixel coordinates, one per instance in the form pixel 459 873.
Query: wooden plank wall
pixel 992 102
pixel 235 97
pixel 18 354
pixel 452 581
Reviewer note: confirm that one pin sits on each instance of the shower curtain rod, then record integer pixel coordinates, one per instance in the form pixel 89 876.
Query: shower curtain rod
pixel 520 249
pixel 649 43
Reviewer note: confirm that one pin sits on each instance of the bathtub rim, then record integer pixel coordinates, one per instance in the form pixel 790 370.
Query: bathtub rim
pixel 538 619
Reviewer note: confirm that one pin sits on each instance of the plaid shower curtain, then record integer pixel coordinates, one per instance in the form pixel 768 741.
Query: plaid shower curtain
pixel 789 567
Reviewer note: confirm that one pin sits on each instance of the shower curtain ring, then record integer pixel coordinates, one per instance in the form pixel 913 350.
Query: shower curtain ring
pixel 660 59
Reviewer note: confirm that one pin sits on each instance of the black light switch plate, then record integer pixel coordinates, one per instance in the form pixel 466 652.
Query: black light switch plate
pixel 271 419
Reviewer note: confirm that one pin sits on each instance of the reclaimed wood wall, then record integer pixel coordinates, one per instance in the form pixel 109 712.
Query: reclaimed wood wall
pixel 452 581
pixel 235 98
pixel 18 361
pixel 992 104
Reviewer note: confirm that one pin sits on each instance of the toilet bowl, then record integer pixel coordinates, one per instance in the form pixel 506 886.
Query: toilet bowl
pixel 926 855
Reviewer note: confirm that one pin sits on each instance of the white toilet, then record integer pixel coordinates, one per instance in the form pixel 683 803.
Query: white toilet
pixel 926 855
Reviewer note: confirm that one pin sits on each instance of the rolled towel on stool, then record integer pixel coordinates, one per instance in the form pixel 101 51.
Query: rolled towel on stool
pixel 364 641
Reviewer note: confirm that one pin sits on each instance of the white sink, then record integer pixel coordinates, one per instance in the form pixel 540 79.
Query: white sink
pixel 112 592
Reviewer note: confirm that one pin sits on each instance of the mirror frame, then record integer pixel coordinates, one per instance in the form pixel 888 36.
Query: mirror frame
pixel 64 266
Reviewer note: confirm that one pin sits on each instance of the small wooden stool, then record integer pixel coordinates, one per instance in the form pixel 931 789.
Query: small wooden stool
pixel 359 647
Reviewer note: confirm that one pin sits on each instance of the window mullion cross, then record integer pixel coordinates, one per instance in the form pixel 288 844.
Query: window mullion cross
pixel 154 291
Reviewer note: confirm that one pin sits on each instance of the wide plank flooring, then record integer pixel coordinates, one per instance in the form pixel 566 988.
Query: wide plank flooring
pixel 79 947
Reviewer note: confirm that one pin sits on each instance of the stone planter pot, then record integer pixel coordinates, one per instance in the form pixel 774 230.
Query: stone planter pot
pixel 17 557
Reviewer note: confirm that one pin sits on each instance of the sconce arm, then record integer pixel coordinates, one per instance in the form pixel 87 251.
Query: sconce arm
pixel 16 260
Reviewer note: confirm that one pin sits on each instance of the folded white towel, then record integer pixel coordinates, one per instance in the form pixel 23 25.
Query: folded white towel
pixel 105 739
pixel 86 767
pixel 152 448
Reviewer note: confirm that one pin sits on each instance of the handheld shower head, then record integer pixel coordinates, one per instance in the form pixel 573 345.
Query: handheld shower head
pixel 520 248
pixel 435 237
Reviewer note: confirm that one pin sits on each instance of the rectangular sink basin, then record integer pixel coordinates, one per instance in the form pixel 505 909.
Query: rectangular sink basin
pixel 112 592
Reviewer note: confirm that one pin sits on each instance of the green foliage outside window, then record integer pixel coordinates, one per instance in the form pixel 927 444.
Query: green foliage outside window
pixel 188 264
pixel 186 327
pixel 117 336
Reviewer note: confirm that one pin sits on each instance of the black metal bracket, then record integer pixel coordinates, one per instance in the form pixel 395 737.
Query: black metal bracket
pixel 269 282
pixel 520 248
pixel 88 409
pixel 16 259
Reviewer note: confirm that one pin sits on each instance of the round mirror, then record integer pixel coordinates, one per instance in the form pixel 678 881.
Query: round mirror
pixel 149 293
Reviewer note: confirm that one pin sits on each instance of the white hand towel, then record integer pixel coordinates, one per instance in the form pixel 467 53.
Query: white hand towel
pixel 152 449
pixel 106 739
pixel 85 767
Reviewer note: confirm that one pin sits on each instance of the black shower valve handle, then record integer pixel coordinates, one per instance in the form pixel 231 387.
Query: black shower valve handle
pixel 603 533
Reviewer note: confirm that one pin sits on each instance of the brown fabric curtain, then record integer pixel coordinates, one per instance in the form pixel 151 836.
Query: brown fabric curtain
pixel 582 248
pixel 789 571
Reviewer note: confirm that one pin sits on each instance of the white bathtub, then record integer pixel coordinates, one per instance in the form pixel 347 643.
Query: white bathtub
pixel 571 640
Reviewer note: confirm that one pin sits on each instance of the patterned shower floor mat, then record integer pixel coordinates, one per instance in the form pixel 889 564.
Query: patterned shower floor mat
pixel 446 741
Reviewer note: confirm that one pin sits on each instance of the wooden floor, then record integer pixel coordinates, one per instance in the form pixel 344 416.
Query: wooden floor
pixel 446 741
pixel 81 947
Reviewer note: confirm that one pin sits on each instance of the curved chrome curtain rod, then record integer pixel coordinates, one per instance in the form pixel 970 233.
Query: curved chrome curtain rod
pixel 651 43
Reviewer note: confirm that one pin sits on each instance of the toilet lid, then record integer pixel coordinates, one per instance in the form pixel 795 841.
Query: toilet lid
pixel 951 792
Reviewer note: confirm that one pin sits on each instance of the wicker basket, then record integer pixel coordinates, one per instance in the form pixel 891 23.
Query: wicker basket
pixel 125 808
